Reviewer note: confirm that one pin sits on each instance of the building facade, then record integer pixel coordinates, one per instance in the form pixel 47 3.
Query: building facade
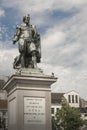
pixel 72 98
pixel 56 99
pixel 3 107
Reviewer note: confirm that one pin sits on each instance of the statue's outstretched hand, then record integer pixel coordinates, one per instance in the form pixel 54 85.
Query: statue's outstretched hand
pixel 14 41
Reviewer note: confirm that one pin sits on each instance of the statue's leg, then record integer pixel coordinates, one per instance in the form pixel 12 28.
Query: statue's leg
pixel 22 52
pixel 33 55
pixel 34 62
pixel 22 60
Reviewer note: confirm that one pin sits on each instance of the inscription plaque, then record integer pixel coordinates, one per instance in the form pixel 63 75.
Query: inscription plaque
pixel 34 110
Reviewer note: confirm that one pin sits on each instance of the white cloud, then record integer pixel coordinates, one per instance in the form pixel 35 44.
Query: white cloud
pixel 70 55
pixel 53 37
pixel 40 5
pixel 6 60
pixel 2 12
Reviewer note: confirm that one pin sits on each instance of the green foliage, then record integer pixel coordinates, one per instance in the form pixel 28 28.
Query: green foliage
pixel 69 118
pixel 54 122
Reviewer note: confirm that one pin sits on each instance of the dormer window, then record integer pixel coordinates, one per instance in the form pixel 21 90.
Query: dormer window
pixel 76 98
pixel 69 98
pixel 72 98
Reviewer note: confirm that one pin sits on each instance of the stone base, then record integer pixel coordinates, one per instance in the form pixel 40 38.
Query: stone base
pixel 29 71
pixel 29 101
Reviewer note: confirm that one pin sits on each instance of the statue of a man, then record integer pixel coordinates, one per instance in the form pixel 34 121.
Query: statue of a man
pixel 29 44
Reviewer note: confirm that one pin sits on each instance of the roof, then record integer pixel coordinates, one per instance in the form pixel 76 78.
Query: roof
pixel 72 91
pixel 3 104
pixel 56 97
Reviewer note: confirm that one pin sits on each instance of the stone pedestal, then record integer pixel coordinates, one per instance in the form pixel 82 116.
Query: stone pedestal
pixel 29 101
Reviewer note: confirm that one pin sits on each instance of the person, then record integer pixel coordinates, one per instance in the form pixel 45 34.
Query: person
pixel 29 44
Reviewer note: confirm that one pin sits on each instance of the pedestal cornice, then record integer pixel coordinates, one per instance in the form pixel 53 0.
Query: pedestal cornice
pixel 36 80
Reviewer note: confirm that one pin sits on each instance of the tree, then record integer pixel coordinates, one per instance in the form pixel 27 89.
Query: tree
pixel 68 118
pixel 54 124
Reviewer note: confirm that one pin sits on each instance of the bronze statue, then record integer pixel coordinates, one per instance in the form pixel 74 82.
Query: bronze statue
pixel 29 45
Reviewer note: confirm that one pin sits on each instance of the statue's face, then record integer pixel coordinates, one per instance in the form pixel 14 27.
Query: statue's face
pixel 27 19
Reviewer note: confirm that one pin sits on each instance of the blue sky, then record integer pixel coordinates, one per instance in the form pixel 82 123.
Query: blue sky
pixel 62 25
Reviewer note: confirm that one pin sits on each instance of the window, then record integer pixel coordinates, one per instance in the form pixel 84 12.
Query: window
pixel 69 98
pixel 72 98
pixel 4 113
pixel 52 110
pixel 76 99
pixel 85 115
pixel 57 109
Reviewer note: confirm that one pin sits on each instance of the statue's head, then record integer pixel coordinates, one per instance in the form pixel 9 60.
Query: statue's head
pixel 26 18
